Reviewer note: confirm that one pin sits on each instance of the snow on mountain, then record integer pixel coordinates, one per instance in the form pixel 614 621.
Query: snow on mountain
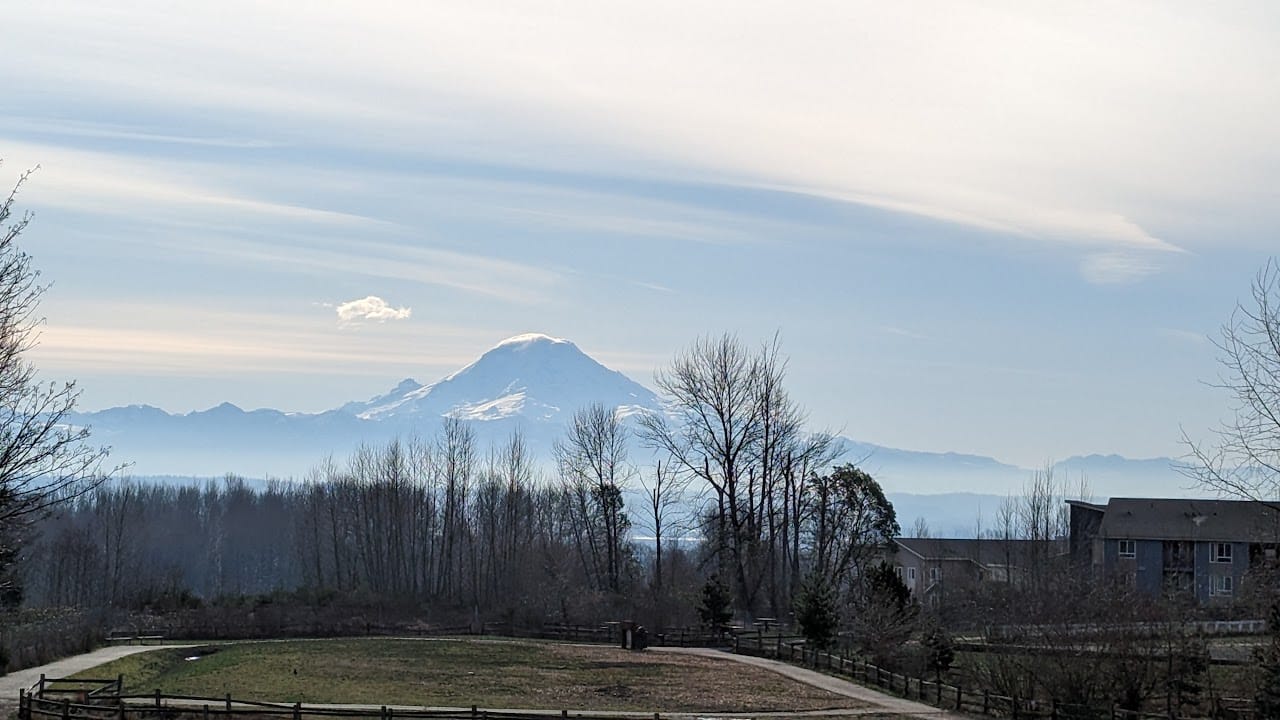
pixel 535 377
pixel 532 383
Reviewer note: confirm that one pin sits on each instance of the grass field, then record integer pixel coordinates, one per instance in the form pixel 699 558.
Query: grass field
pixel 461 673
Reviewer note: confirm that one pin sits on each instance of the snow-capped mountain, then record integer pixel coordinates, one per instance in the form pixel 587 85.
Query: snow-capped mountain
pixel 531 383
pixel 532 376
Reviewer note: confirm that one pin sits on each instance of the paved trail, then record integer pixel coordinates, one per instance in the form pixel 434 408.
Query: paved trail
pixel 839 686
pixel 23 679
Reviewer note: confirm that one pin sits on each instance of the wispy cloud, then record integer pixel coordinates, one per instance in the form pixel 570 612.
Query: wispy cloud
pixel 652 286
pixel 110 131
pixel 1116 268
pixel 902 332
pixel 371 308
pixel 1184 336
pixel 934 121
pixel 123 185
pixel 141 339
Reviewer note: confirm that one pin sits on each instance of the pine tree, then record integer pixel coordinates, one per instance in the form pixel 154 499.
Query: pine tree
pixel 817 610
pixel 716 608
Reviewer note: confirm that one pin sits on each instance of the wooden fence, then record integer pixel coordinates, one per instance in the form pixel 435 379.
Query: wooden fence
pixel 99 699
pixel 952 697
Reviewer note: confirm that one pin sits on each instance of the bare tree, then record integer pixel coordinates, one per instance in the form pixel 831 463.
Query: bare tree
pixel 592 458
pixel 44 459
pixel 730 425
pixel 664 495
pixel 1243 457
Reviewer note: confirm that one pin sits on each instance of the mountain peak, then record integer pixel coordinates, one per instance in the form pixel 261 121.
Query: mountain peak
pixel 532 376
pixel 526 340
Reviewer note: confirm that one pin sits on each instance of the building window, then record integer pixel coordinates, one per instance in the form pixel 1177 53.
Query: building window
pixel 1128 548
pixel 911 574
pixel 898 571
pixel 934 574
pixel 1222 585
pixel 1222 552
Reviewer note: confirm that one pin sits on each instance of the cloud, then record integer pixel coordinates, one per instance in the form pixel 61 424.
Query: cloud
pixel 187 339
pixel 1116 267
pixel 134 186
pixel 902 332
pixel 1184 336
pixel 1102 128
pixel 371 308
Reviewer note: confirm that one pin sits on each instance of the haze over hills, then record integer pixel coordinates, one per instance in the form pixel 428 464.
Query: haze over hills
pixel 533 383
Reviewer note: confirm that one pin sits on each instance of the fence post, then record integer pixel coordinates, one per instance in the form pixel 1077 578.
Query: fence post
pixel 228 702
pixel 736 640
pixel 959 698
pixel 1053 712
pixel 120 684
pixel 986 702
pixel 297 711
pixel 41 694
pixel 474 711
pixel 1014 702
pixel 938 702
pixel 66 709
pixel 157 698
pixel 206 711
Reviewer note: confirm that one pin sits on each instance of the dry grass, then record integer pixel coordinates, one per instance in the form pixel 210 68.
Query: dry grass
pixel 460 673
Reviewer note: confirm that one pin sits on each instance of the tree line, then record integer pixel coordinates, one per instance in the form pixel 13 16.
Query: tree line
pixel 446 522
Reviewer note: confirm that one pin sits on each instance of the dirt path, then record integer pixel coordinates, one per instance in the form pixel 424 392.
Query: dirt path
pixel 880 701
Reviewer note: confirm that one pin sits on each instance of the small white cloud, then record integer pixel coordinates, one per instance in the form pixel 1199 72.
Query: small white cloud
pixel 1115 268
pixel 1185 336
pixel 902 332
pixel 371 308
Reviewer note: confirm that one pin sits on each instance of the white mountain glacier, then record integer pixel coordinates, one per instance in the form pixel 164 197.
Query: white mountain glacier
pixel 532 383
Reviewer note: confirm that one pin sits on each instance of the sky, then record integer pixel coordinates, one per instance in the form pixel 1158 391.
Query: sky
pixel 1003 228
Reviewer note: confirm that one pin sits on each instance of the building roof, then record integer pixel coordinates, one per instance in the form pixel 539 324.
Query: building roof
pixel 1015 553
pixel 1185 519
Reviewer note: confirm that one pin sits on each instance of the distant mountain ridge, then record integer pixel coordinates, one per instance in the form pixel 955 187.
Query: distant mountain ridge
pixel 532 383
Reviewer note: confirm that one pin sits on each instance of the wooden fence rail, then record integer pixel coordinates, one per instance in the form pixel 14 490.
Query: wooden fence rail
pixel 104 699
pixel 66 698
pixel 952 697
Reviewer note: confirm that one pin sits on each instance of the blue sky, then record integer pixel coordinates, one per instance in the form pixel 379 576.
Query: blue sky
pixel 988 227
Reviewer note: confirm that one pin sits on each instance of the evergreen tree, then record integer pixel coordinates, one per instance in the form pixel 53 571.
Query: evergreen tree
pixel 716 608
pixel 817 610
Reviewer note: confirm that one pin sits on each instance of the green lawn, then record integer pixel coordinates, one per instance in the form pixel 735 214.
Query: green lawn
pixel 461 673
